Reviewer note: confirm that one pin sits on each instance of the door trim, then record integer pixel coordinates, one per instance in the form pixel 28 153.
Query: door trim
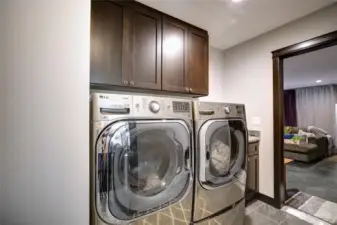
pixel 279 55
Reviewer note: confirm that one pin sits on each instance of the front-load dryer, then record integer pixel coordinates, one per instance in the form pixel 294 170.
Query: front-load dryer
pixel 221 149
pixel 141 160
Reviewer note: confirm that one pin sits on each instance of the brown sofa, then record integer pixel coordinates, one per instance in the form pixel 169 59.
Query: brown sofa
pixel 316 148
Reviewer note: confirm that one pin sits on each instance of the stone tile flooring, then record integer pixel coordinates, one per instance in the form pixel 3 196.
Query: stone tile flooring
pixel 259 213
pixel 314 206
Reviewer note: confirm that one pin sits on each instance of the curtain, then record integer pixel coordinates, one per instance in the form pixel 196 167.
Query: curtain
pixel 316 107
pixel 290 115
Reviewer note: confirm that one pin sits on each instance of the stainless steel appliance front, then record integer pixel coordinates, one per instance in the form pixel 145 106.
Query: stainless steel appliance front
pixel 221 146
pixel 141 161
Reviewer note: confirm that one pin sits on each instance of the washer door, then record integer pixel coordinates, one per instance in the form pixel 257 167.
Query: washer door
pixel 222 145
pixel 142 167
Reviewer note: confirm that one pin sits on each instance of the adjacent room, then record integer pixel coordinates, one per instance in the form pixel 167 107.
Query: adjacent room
pixel 310 132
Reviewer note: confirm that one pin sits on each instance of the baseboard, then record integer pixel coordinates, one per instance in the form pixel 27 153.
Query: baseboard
pixel 250 196
pixel 268 200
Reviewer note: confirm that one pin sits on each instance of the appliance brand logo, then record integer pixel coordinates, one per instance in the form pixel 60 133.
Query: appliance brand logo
pixel 104 97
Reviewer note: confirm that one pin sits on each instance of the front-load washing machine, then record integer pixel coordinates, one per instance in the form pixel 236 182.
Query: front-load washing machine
pixel 141 160
pixel 221 149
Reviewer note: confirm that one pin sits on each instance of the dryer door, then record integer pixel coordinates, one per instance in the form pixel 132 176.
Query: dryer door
pixel 222 145
pixel 141 167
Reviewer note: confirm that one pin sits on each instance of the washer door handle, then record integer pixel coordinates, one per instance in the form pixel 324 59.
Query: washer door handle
pixel 208 154
pixel 187 159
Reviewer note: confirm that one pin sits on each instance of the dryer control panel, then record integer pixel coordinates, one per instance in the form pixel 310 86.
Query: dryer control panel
pixel 208 110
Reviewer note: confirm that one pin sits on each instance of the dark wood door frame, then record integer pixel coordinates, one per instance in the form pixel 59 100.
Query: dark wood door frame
pixel 314 44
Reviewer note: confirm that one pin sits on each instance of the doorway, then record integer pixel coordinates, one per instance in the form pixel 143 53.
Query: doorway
pixel 279 56
pixel 310 96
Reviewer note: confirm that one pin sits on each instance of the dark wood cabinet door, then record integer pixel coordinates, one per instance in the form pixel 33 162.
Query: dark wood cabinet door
pixel 253 173
pixel 198 61
pixel 106 43
pixel 174 67
pixel 143 37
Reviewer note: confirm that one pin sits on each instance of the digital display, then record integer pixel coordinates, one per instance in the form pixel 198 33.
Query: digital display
pixel 181 107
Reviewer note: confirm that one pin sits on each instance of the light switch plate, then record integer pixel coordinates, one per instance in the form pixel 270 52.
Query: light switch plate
pixel 256 121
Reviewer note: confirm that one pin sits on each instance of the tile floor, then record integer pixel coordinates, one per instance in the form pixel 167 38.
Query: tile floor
pixel 259 213
pixel 312 205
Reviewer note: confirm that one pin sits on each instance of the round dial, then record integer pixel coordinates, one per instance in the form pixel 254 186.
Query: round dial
pixel 227 109
pixel 154 106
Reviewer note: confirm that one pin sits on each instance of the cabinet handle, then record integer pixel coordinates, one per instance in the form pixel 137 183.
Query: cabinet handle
pixel 132 82
pixel 248 159
pixel 125 82
pixel 191 89
pixel 187 89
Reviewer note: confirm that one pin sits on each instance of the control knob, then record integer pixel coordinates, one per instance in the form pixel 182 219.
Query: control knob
pixel 154 106
pixel 227 109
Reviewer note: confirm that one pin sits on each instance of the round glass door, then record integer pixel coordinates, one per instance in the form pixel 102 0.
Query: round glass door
pixel 142 166
pixel 222 150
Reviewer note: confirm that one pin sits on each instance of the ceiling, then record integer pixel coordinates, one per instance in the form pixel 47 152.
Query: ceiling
pixel 230 23
pixel 304 70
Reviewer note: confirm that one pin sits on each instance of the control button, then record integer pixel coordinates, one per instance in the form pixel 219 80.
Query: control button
pixel 154 106
pixel 227 109
pixel 239 109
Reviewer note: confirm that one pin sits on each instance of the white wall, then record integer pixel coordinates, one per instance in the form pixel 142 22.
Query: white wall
pixel 44 99
pixel 246 77
pixel 1 101
pixel 216 59
pixel 335 127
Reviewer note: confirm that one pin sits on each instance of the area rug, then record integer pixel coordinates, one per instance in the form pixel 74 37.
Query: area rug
pixel 314 206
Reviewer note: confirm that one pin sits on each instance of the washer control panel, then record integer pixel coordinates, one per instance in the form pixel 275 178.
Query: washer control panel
pixel 111 106
pixel 161 106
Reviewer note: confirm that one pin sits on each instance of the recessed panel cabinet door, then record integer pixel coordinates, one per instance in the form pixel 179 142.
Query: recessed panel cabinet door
pixel 174 72
pixel 143 37
pixel 198 62
pixel 106 43
pixel 252 173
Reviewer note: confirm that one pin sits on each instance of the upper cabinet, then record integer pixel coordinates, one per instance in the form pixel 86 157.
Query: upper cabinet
pixel 174 56
pixel 106 43
pixel 143 47
pixel 133 45
pixel 198 61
